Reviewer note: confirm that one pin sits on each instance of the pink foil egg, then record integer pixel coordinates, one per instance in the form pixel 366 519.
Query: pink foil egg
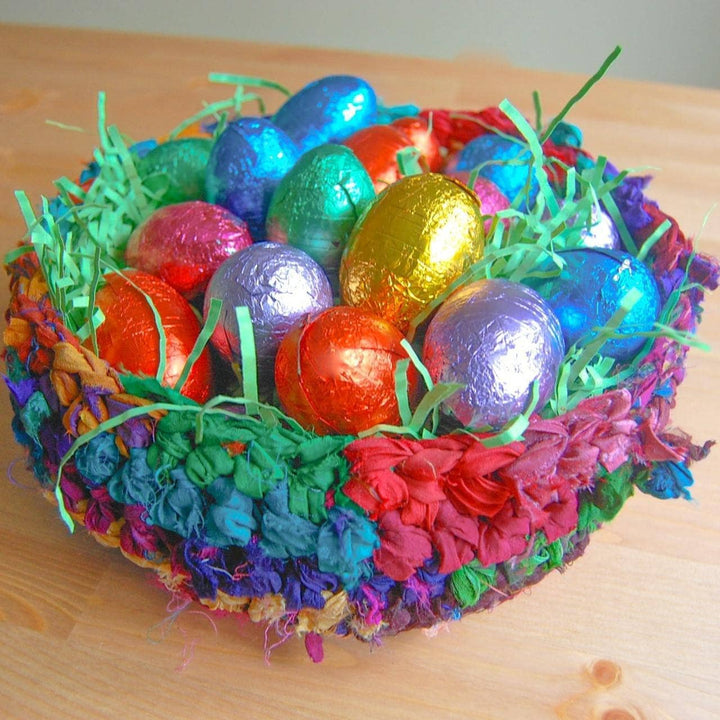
pixel 185 243
pixel 492 200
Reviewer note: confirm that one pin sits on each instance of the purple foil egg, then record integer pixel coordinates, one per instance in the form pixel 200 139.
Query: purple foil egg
pixel 497 338
pixel 279 284
pixel 247 162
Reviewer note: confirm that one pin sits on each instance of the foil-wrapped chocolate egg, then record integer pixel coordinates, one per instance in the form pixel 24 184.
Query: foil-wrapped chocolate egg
pixel 505 162
pixel 497 338
pixel 185 243
pixel 318 202
pixel 377 148
pixel 600 231
pixel 423 138
pixel 128 338
pixel 327 111
pixel 279 284
pixel 417 237
pixel 176 169
pixel 246 163
pixel 590 289
pixel 335 372
pixel 492 201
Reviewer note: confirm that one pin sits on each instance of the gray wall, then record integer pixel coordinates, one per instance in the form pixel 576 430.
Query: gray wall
pixel 663 40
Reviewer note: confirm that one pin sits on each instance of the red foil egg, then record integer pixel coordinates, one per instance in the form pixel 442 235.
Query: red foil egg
pixel 335 372
pixel 376 147
pixel 128 338
pixel 417 131
pixel 185 243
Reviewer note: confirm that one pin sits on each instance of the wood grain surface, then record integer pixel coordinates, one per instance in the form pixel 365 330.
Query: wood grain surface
pixel 629 631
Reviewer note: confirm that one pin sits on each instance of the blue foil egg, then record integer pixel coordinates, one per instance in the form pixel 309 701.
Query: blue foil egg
pixel 590 289
pixel 246 163
pixel 497 338
pixel 506 163
pixel 327 110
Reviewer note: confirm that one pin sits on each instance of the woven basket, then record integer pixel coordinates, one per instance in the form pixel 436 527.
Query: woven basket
pixel 343 535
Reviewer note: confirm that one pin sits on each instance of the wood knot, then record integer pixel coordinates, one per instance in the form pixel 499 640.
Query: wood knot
pixel 619 714
pixel 606 674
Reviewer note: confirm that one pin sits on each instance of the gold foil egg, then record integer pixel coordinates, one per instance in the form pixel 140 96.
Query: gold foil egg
pixel 417 237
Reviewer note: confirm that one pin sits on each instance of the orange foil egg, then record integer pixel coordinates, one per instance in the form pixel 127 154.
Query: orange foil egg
pixel 128 339
pixel 335 373
pixel 377 147
pixel 417 131
pixel 417 237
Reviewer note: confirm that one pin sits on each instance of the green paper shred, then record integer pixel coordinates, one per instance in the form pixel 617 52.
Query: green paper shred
pixel 408 160
pixel 538 110
pixel 13 255
pixel 229 79
pixel 202 340
pixel 162 335
pixel 401 391
pixel 580 94
pixel 430 403
pixel 536 150
pixel 617 218
pixel 215 110
pixel 64 514
pixel 659 231
pixel 515 429
pixel 419 366
pixel 248 355
pixel 593 346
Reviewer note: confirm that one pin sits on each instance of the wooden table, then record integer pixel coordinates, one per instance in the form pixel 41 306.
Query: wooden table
pixel 85 634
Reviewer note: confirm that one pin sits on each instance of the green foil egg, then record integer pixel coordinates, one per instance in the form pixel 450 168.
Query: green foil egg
pixel 176 169
pixel 317 204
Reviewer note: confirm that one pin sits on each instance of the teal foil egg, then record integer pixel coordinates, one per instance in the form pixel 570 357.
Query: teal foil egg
pixel 589 291
pixel 327 110
pixel 247 162
pixel 317 203
pixel 176 169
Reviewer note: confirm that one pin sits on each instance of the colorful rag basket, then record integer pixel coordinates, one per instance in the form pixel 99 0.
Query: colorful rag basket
pixel 365 536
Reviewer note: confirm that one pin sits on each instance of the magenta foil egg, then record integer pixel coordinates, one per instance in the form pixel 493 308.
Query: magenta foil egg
pixel 498 338
pixel 492 200
pixel 185 244
pixel 279 284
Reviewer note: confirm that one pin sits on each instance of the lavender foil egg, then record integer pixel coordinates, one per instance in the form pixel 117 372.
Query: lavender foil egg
pixel 598 232
pixel 246 163
pixel 497 338
pixel 279 284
